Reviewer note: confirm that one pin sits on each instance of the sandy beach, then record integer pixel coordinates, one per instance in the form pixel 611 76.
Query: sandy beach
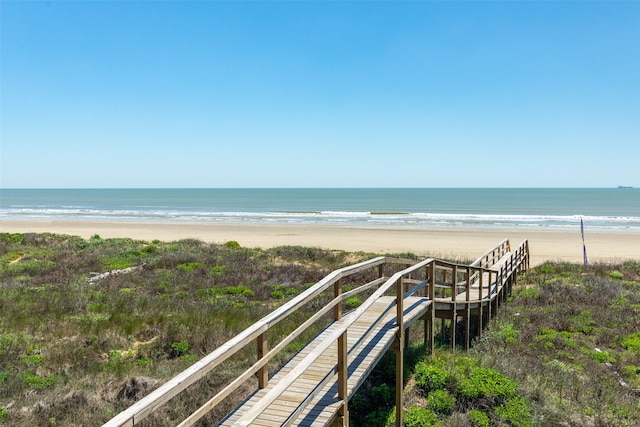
pixel 450 243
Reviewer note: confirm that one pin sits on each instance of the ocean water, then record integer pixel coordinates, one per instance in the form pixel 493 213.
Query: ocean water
pixel 610 209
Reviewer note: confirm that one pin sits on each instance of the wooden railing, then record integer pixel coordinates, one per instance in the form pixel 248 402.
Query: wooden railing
pixel 478 287
pixel 483 284
pixel 492 256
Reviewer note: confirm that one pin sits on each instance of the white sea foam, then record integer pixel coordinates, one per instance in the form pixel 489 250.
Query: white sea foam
pixel 418 219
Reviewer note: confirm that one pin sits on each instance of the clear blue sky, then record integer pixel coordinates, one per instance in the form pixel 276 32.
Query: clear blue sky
pixel 319 94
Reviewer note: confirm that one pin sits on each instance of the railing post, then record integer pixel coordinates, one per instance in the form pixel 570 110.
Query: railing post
pixel 432 295
pixel 343 377
pixel 468 306
pixel 489 290
pixel 399 381
pixel 337 309
pixel 399 351
pixel 454 314
pixel 480 310
pixel 263 372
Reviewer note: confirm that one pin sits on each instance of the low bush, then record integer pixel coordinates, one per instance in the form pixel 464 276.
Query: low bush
pixel 383 394
pixel 475 382
pixel 417 416
pixel 632 342
pixel 352 302
pixel 478 418
pixel 516 411
pixel 430 377
pixel 441 402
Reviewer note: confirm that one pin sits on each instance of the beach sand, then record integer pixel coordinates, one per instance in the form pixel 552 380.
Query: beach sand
pixel 460 244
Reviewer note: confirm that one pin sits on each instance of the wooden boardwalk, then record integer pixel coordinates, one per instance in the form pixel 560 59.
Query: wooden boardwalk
pixel 314 387
pixel 361 360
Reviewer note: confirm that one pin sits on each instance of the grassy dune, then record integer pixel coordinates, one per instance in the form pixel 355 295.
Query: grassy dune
pixel 76 347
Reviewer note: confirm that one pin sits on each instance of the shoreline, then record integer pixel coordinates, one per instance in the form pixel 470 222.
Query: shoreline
pixel 545 245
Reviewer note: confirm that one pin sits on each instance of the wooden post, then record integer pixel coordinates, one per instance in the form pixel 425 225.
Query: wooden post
pixel 454 284
pixel 468 320
pixel 399 381
pixel 454 322
pixel 343 377
pixel 425 321
pixel 399 351
pixel 505 282
pixel 263 372
pixel 432 294
pixel 480 314
pixel 407 337
pixel 489 293
pixel 337 309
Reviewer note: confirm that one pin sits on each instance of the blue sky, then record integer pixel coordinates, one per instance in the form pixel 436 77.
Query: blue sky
pixel 319 94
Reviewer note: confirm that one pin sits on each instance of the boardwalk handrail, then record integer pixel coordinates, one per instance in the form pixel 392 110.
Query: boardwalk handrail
pixel 143 408
pixel 492 256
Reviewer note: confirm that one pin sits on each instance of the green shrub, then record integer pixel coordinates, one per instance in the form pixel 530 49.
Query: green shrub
pixel 420 417
pixel 150 249
pixel 584 323
pixel 430 377
pixel 4 414
pixel 277 295
pixel 238 291
pixel 629 371
pixel 290 292
pixel 144 362
pixel 441 402
pixel 598 356
pixel 380 418
pixel 507 333
pixel 179 348
pixel 478 382
pixel 37 381
pixel 615 274
pixel 218 270
pixel 190 266
pixel 632 342
pixel 382 394
pixel 479 418
pixel 31 359
pixel 352 302
pixel 515 411
pixel 3 376
pixel 532 292
pixel 232 244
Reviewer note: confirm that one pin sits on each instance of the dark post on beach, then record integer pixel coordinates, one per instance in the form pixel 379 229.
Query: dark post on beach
pixel 584 247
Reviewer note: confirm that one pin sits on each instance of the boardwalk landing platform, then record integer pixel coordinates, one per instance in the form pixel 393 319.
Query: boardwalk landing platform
pixel 324 407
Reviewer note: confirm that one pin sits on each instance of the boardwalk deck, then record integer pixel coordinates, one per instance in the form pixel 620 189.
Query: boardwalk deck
pixel 323 408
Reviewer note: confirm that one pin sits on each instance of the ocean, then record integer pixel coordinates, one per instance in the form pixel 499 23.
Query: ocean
pixel 603 209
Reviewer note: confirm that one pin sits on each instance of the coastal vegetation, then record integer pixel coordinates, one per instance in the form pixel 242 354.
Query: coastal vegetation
pixel 88 326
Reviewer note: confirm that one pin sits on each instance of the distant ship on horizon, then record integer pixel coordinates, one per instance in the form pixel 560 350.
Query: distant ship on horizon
pixel 624 186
